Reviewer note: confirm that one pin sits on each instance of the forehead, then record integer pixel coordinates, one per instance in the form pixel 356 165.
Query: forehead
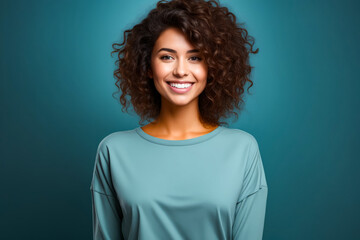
pixel 173 38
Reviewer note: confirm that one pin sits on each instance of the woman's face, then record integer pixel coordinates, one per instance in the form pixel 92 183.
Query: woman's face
pixel 175 60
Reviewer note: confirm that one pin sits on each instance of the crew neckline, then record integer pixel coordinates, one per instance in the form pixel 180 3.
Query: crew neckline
pixel 182 142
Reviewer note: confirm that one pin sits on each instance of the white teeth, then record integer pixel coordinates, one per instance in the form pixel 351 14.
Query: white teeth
pixel 180 85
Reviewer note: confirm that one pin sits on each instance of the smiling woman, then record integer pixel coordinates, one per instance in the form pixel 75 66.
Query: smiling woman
pixel 183 175
pixel 211 31
pixel 178 72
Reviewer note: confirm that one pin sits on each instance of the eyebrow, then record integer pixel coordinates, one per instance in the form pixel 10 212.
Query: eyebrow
pixel 173 51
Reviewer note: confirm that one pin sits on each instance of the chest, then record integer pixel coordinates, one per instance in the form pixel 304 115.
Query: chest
pixel 187 178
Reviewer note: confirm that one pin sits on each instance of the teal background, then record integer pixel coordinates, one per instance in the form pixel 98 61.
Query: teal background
pixel 57 105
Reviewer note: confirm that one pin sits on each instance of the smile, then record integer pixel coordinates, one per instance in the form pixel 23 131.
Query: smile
pixel 180 87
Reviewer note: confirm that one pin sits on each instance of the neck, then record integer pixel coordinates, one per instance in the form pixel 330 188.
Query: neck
pixel 177 120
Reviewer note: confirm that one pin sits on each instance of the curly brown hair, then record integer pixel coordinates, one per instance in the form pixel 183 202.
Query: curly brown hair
pixel 213 30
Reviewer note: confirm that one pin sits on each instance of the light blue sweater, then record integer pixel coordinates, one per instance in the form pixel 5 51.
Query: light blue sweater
pixel 206 188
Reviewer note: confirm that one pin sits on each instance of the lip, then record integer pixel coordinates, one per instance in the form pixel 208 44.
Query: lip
pixel 179 81
pixel 180 90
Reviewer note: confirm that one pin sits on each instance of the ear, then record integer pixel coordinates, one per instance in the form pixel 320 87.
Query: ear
pixel 150 73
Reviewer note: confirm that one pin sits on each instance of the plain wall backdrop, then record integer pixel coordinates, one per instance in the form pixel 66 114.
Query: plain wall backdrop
pixel 56 106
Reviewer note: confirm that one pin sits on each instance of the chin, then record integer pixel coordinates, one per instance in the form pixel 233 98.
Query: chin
pixel 184 102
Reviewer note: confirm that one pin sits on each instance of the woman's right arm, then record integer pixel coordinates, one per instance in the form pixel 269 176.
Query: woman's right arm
pixel 106 210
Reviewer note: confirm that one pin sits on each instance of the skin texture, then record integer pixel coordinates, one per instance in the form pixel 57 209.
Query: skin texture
pixel 179 117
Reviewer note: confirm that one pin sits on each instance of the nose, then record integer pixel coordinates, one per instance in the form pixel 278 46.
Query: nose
pixel 181 68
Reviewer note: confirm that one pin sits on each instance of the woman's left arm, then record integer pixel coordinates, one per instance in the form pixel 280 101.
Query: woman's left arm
pixel 251 205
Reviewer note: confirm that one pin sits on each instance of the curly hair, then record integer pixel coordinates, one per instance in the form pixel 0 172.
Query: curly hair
pixel 213 30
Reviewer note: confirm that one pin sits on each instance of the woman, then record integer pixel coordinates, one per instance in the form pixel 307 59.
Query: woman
pixel 183 175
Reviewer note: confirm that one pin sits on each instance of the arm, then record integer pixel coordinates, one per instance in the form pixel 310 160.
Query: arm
pixel 106 210
pixel 251 205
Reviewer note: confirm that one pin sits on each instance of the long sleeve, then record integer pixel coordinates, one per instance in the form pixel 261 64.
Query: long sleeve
pixel 106 210
pixel 251 205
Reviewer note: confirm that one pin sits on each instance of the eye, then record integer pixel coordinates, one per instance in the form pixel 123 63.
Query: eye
pixel 165 57
pixel 195 58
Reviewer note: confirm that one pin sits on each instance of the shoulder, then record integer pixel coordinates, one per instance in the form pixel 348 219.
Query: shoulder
pixel 118 138
pixel 240 137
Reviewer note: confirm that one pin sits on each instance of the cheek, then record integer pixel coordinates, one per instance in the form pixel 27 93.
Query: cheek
pixel 161 70
pixel 200 74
